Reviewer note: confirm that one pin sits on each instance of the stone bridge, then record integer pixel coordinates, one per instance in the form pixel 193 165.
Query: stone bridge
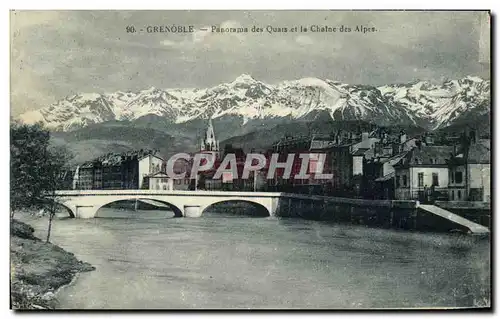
pixel 388 213
pixel 86 203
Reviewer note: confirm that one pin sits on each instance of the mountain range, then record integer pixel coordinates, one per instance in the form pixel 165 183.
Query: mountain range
pixel 419 103
pixel 251 113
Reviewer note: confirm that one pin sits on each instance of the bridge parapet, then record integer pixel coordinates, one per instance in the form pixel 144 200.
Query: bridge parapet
pixel 202 193
pixel 354 201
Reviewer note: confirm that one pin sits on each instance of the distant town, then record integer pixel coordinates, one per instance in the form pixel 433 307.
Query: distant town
pixel 380 164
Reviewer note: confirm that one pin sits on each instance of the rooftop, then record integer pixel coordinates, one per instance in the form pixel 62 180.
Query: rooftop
pixel 114 159
pixel 479 153
pixel 428 155
pixel 386 177
pixel 360 152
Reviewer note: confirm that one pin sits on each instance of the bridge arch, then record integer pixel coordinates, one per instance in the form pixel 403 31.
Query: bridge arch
pixel 59 208
pixel 177 211
pixel 261 209
pixel 68 210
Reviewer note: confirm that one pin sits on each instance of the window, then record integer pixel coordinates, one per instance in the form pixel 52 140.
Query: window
pixel 458 177
pixel 420 179
pixel 398 183
pixel 452 177
pixel 459 194
pixel 404 181
pixel 164 187
pixel 435 179
pixel 452 195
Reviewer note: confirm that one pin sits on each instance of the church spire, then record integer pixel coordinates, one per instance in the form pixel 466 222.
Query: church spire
pixel 210 143
pixel 210 131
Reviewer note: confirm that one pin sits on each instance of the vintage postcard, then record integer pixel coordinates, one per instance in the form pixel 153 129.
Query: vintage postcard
pixel 250 160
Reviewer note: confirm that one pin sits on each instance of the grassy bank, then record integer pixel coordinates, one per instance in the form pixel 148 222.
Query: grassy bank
pixel 38 269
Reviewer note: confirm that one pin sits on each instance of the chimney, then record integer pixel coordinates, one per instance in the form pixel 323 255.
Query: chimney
pixel 364 136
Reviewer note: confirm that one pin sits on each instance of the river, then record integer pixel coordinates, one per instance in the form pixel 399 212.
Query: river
pixel 152 261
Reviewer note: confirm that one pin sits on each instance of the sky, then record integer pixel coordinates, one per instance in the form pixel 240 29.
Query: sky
pixel 55 54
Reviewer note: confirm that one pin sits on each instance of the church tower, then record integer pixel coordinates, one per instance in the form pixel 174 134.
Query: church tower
pixel 209 143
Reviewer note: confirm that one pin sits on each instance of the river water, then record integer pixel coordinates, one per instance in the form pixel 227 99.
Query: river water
pixel 152 261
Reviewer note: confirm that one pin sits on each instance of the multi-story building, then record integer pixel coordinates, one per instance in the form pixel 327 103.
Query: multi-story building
pixel 86 178
pixel 470 174
pixel 348 160
pixel 345 156
pixel 161 181
pixel 118 171
pixel 112 168
pixel 229 180
pixel 298 146
pixel 66 178
pixel 341 165
pixel 379 172
pixel 158 181
pixel 146 164
pixel 422 174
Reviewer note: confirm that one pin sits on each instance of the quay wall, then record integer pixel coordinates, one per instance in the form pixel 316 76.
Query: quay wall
pixel 397 214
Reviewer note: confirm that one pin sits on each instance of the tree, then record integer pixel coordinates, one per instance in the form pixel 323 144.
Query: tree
pixel 57 159
pixel 36 169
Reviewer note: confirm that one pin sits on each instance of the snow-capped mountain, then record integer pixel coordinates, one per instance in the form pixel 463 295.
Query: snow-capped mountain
pixel 417 103
pixel 442 104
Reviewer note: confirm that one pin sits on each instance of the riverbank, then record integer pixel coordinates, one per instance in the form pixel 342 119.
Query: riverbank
pixel 38 269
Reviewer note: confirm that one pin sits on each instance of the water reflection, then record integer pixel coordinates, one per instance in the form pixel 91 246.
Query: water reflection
pixel 142 209
pixel 134 214
pixel 235 209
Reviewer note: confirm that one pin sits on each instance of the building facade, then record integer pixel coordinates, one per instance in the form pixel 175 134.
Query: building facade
pixel 161 181
pixel 299 146
pixel 423 174
pixel 470 174
pixel 148 164
pixel 118 171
